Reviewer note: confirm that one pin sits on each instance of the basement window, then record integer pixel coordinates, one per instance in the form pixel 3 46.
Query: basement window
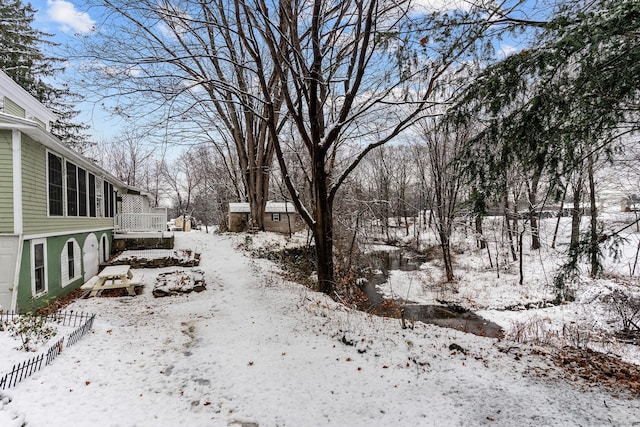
pixel 70 262
pixel 38 267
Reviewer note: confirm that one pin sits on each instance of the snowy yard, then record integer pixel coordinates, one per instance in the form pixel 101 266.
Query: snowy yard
pixel 25 337
pixel 256 350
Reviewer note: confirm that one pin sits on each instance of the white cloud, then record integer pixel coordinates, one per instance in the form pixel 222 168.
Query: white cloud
pixel 507 50
pixel 429 6
pixel 65 14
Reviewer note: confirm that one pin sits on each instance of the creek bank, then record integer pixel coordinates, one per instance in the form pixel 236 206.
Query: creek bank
pixel 445 314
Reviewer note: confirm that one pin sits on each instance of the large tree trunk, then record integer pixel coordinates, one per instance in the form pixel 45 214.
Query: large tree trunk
pixel 594 249
pixel 576 215
pixel 509 230
pixel 256 151
pixel 521 261
pixel 533 214
pixel 557 227
pixel 480 239
pixel 323 230
pixel 258 197
pixel 323 237
pixel 446 255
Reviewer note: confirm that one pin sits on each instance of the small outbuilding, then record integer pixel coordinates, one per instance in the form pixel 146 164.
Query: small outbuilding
pixel 630 203
pixel 280 217
pixel 181 223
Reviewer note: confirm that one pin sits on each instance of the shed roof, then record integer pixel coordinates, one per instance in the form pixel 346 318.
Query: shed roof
pixel 239 208
pixel 271 207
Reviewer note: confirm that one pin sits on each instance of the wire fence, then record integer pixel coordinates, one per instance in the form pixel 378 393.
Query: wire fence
pixel 23 370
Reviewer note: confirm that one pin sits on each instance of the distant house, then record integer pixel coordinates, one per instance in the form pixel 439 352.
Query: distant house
pixel 630 203
pixel 57 208
pixel 181 223
pixel 280 217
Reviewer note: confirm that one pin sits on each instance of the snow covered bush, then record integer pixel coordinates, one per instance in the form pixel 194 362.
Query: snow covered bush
pixel 534 330
pixel 625 305
pixel 32 330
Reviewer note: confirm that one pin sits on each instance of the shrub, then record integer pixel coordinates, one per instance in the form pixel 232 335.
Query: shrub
pixel 626 306
pixel 32 330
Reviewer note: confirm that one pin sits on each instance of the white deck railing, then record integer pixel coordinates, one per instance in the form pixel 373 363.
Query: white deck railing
pixel 141 222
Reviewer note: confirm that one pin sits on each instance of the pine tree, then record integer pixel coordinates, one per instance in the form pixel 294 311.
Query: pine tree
pixel 556 107
pixel 23 58
pixel 566 95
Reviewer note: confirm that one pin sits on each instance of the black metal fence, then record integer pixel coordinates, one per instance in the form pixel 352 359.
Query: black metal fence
pixel 63 318
pixel 27 368
pixel 75 336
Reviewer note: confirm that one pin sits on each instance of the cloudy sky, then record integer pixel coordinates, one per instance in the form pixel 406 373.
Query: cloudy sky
pixel 66 20
pixel 62 17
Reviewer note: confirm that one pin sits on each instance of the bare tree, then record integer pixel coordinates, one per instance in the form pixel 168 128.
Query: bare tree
pixel 390 176
pixel 135 158
pixel 443 146
pixel 214 186
pixel 351 76
pixel 181 178
pixel 128 156
pixel 405 180
pixel 352 71
pixel 377 169
pixel 182 66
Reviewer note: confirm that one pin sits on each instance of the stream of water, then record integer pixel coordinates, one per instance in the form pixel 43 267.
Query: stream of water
pixel 442 315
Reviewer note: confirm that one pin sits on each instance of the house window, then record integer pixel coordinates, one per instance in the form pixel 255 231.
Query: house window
pixel 92 195
pixel 99 198
pixel 72 190
pixel 82 192
pixel 105 193
pixel 113 199
pixel 70 262
pixel 39 267
pixel 54 165
pixel 275 217
pixel 109 200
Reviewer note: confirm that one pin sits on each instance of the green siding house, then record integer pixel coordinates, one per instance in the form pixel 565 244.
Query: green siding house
pixel 57 208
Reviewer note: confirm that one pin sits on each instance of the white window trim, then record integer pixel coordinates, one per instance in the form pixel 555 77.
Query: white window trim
pixel 99 197
pixel 65 194
pixel 101 245
pixel 33 267
pixel 64 183
pixel 64 263
pixel 275 217
pixel 95 195
pixel 66 189
pixel 86 191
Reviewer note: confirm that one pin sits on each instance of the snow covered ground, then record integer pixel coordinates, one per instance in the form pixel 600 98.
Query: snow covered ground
pixel 495 293
pixel 255 350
